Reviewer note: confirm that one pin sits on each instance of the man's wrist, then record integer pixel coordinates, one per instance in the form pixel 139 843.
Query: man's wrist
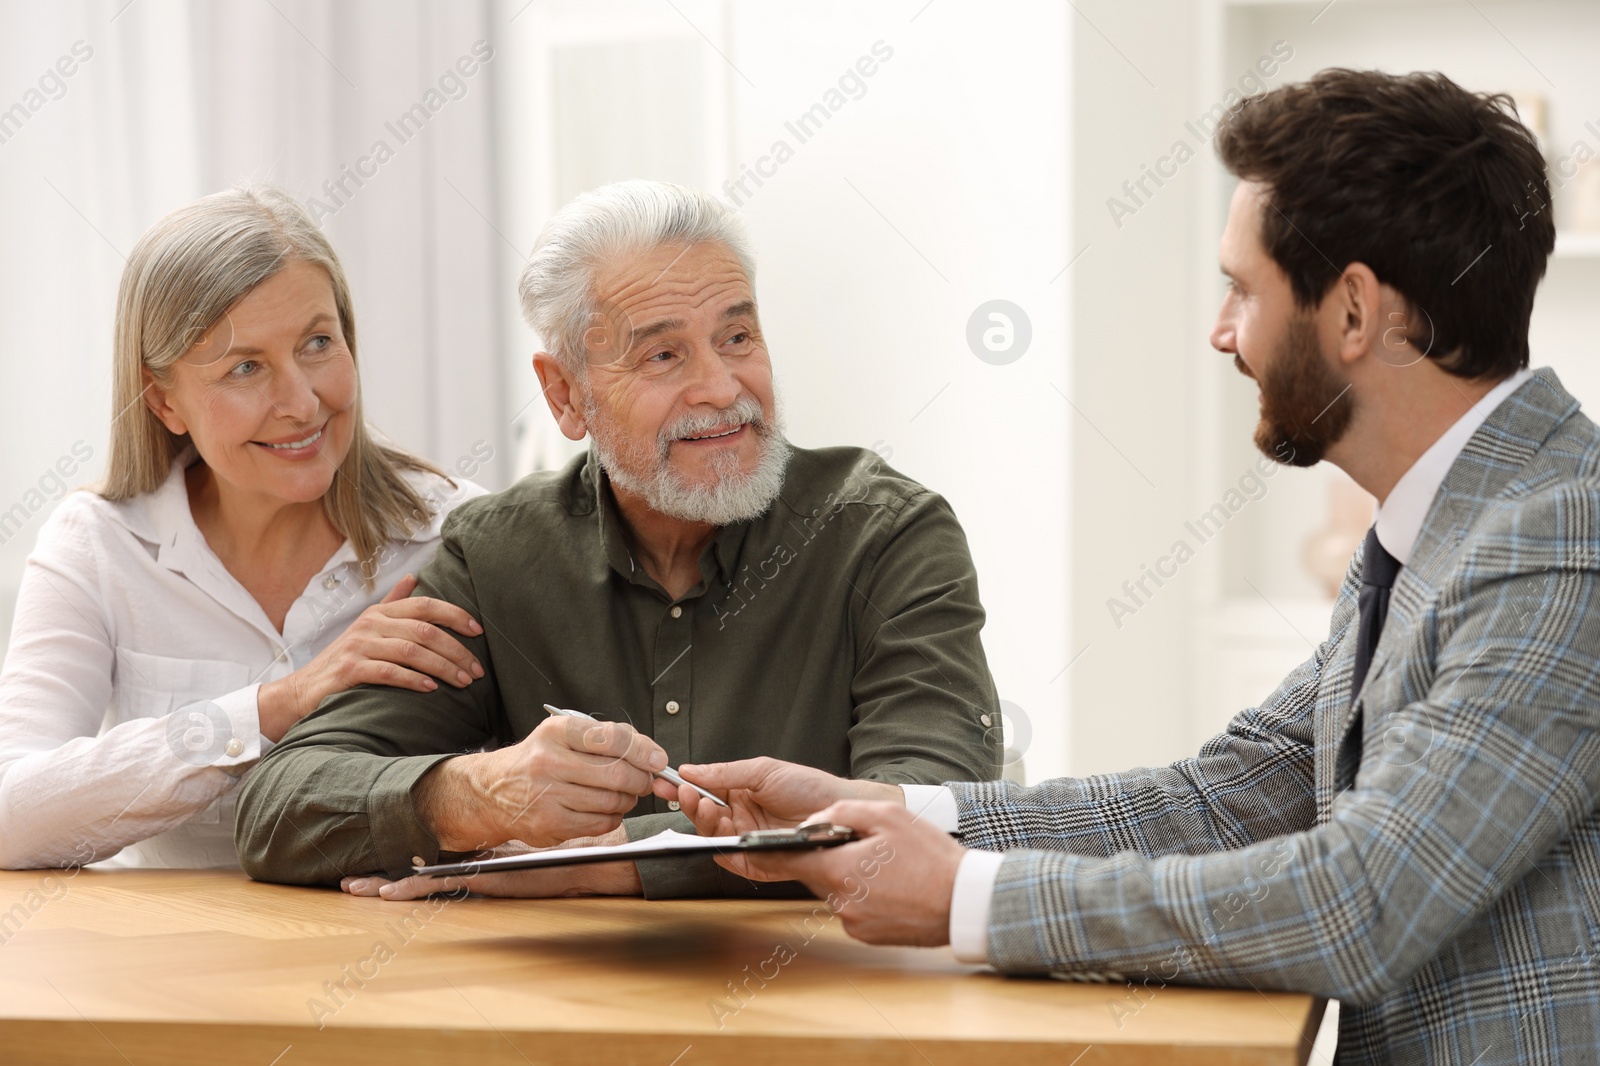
pixel 445 802
pixel 880 791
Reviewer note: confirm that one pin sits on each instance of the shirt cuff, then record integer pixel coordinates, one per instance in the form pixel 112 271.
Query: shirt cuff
pixel 398 836
pixel 237 742
pixel 969 905
pixel 934 804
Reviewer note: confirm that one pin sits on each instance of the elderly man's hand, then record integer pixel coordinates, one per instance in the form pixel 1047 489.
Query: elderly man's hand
pixel 570 777
pixel 763 794
pixel 894 884
pixel 599 879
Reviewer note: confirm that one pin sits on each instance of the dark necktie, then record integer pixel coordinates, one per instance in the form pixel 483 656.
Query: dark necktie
pixel 1378 571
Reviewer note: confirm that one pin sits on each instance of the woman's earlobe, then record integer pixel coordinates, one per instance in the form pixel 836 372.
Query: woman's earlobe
pixel 156 401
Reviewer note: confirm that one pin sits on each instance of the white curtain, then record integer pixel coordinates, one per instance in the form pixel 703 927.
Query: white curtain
pixel 377 113
pixel 939 183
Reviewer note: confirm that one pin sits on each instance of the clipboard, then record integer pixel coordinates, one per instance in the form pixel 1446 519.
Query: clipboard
pixel 665 844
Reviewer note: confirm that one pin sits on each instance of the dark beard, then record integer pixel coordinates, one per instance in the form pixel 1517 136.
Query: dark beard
pixel 1304 411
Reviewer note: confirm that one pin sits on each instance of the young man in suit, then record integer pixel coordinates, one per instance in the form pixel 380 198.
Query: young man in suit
pixel 1409 822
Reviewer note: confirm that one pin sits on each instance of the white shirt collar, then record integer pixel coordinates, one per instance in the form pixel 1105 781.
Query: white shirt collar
pixel 163 517
pixel 1399 518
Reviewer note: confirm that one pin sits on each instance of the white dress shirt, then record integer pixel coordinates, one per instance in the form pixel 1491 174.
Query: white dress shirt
pixel 128 698
pixel 1399 521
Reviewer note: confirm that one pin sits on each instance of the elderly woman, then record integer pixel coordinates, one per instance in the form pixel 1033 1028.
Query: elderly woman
pixel 229 573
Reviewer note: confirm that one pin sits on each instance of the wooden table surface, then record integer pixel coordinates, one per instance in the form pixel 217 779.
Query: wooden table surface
pixel 157 967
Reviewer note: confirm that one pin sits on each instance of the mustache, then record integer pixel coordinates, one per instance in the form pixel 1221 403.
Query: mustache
pixel 1243 367
pixel 743 410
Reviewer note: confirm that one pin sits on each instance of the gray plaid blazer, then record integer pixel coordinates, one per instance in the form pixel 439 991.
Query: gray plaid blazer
pixel 1430 855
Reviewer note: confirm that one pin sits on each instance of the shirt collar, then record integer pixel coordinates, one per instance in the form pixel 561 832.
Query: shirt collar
pixel 719 561
pixel 163 516
pixel 1399 518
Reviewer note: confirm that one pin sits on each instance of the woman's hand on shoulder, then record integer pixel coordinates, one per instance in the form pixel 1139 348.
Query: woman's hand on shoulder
pixel 401 641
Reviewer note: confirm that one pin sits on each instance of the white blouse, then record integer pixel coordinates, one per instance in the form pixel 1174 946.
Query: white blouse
pixel 128 698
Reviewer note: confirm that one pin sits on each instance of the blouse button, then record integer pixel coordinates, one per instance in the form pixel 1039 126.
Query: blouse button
pixel 672 706
pixel 235 746
pixel 331 581
pixel 677 612
pixel 672 805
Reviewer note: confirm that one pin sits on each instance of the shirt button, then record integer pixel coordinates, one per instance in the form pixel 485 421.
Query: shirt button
pixel 672 805
pixel 331 581
pixel 677 612
pixel 672 707
pixel 235 746
pixel 983 718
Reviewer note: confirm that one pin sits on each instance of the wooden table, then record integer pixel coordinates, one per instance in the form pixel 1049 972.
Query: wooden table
pixel 157 967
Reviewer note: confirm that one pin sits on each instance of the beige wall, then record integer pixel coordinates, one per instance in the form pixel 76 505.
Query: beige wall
pixel 1134 379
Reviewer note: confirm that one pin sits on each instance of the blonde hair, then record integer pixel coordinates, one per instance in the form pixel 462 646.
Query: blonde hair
pixel 187 270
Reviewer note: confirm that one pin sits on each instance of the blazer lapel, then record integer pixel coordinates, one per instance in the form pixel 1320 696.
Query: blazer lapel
pixel 1511 436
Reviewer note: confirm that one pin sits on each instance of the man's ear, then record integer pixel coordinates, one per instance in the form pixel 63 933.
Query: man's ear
pixel 1358 304
pixel 563 394
pixel 160 403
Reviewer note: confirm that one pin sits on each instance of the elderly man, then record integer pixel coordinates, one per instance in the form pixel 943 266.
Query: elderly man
pixel 711 591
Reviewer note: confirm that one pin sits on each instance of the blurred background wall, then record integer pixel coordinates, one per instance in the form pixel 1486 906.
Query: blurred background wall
pixel 909 169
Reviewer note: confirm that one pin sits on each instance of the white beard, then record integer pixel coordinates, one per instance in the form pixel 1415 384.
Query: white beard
pixel 645 470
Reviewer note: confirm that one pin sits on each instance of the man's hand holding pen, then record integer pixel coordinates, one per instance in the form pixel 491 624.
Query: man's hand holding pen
pixel 570 777
pixel 569 782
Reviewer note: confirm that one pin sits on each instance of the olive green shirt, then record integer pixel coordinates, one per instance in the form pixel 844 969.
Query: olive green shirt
pixel 840 630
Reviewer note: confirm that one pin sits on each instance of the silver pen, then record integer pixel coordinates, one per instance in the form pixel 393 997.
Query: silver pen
pixel 668 774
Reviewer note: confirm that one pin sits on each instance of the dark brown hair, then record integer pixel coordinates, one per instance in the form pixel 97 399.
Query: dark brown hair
pixel 1441 191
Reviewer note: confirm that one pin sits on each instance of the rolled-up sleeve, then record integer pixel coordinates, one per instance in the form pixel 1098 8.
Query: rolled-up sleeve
pixel 926 707
pixel 335 796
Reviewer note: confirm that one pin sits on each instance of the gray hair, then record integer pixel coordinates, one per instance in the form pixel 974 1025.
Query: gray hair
pixel 599 228
pixel 181 278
